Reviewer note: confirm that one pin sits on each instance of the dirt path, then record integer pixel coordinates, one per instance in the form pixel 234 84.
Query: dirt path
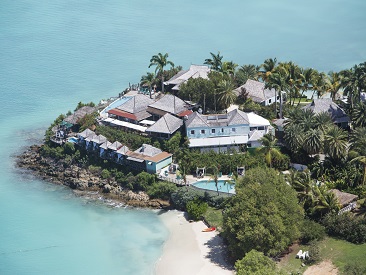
pixel 323 268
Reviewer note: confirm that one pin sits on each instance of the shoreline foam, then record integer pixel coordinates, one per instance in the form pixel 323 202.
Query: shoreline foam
pixel 188 250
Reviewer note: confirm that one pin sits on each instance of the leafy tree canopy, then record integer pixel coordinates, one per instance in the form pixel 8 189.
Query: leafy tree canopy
pixel 263 215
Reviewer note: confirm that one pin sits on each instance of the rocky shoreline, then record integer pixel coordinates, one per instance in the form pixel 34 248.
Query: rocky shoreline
pixel 83 181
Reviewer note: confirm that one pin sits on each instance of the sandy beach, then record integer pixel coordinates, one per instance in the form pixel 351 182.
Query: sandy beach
pixel 189 250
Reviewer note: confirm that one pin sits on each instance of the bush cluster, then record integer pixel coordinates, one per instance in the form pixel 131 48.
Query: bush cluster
pixel 346 226
pixel 311 231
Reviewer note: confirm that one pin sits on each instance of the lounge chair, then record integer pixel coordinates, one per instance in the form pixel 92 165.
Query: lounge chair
pixel 299 254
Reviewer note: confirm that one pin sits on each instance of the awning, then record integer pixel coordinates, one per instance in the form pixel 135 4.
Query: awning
pixel 135 159
pixel 126 124
pixel 218 141
pixel 147 122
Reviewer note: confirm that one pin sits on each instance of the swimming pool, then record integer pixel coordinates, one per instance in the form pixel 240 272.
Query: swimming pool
pixel 116 103
pixel 72 140
pixel 223 186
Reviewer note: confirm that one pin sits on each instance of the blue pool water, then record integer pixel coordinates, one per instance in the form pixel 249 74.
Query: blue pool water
pixel 223 186
pixel 116 103
pixel 73 140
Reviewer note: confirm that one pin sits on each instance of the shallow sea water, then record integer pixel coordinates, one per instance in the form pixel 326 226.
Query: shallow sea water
pixel 56 53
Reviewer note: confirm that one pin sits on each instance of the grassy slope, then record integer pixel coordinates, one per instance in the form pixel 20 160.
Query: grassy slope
pixel 339 252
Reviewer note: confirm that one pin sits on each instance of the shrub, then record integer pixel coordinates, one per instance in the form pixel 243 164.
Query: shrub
pixel 311 231
pixel 105 174
pixel 314 253
pixel 255 263
pixel 354 268
pixel 346 226
pixel 182 196
pixel 161 190
pixel 69 148
pixel 196 209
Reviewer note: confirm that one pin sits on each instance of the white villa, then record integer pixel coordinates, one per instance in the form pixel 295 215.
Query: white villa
pixel 221 132
pixel 258 93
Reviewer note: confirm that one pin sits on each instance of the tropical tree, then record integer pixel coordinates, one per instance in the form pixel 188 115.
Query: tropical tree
pixel 229 68
pixel 269 149
pixel 313 141
pixel 267 68
pixel 323 121
pixel 246 72
pixel 215 177
pixel 263 215
pixel 303 184
pixel 294 137
pixel 308 77
pixel 256 263
pixel 226 94
pixel 362 161
pixel 358 140
pixel 336 145
pixel 278 80
pixel 320 85
pixel 160 61
pixel 215 62
pixel 149 80
pixel 354 82
pixel 325 201
pixel 333 84
pixel 358 114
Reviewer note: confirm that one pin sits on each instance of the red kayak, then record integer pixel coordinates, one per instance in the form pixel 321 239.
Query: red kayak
pixel 209 229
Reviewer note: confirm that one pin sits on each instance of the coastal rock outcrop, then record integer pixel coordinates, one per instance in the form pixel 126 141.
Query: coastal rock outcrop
pixel 82 180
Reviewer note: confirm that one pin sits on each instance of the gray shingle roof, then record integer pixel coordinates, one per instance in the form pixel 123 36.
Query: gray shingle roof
pixel 137 104
pixel 167 124
pixel 80 113
pixel 170 104
pixel 105 145
pixel 115 146
pixel 195 71
pixel 327 105
pixel 148 150
pixel 123 150
pixel 99 139
pixel 86 133
pixel 235 117
pixel 256 91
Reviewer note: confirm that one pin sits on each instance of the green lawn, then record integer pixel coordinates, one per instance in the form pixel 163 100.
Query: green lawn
pixel 214 217
pixel 339 252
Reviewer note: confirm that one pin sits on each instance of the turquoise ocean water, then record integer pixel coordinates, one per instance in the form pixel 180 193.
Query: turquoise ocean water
pixel 54 54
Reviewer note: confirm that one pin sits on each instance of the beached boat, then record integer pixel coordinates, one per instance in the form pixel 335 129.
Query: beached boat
pixel 209 229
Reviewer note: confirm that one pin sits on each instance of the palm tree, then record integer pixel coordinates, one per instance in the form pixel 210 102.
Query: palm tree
pixel 215 62
pixel 313 142
pixel 303 184
pixel 333 84
pixel 278 81
pixel 229 68
pixel 226 93
pixel 358 114
pixel 268 66
pixel 358 140
pixel 308 77
pixel 294 137
pixel 246 72
pixel 325 201
pixel 149 80
pixel 294 79
pixel 269 149
pixel 354 82
pixel 160 61
pixel 320 85
pixel 323 121
pixel 335 143
pixel 215 177
pixel 361 160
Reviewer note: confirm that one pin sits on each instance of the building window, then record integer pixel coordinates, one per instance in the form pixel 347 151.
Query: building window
pixel 222 130
pixel 261 128
pixel 269 100
pixel 278 97
pixel 213 131
pixel 233 130
pixel 192 132
pixel 203 131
